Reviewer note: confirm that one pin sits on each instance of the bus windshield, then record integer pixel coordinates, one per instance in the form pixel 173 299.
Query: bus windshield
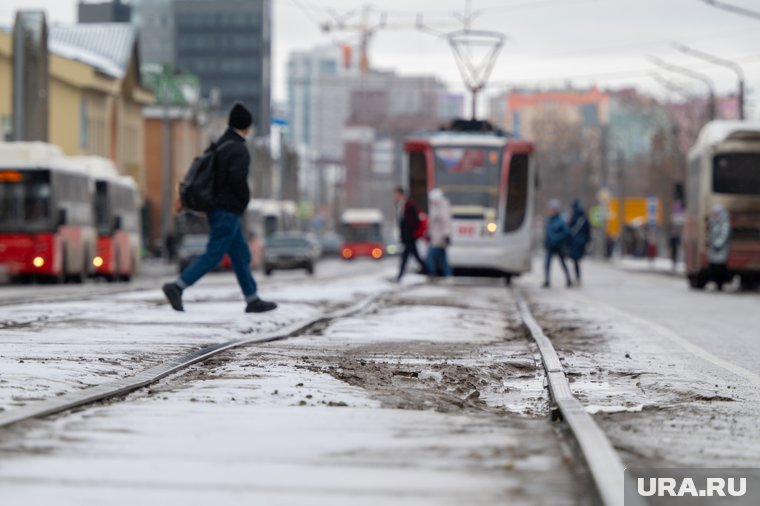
pixel 469 176
pixel 25 202
pixel 361 232
pixel 737 173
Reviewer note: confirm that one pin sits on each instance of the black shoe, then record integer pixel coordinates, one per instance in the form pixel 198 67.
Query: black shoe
pixel 174 295
pixel 545 285
pixel 569 283
pixel 260 306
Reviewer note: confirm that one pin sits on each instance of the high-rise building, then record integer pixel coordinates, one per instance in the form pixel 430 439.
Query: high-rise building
pixel 227 44
pixel 155 21
pixel 115 11
pixel 305 68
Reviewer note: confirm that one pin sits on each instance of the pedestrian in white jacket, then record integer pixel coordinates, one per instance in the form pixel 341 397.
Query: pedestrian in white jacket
pixel 438 233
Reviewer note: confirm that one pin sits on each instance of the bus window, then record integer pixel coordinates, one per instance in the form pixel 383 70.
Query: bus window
pixel 102 216
pixel 736 174
pixel 270 225
pixel 25 204
pixel 517 193
pixel 362 232
pixel 418 179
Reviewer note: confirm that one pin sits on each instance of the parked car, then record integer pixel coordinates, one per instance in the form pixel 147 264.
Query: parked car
pixel 291 250
pixel 331 244
pixel 194 245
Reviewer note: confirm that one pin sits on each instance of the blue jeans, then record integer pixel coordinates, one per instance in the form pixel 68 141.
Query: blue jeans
pixel 225 236
pixel 436 259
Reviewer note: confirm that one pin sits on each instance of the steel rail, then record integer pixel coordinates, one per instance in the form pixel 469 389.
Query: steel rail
pixel 607 470
pixel 121 387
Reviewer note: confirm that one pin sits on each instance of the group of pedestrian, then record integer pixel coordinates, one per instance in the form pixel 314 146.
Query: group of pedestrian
pixel 563 238
pixel 436 229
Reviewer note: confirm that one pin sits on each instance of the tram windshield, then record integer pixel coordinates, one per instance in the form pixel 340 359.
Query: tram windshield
pixel 469 177
pixel 737 173
pixel 24 201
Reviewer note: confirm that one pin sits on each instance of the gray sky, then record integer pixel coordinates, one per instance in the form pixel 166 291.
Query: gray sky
pixel 604 42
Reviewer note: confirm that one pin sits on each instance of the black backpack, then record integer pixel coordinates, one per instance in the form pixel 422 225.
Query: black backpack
pixel 196 191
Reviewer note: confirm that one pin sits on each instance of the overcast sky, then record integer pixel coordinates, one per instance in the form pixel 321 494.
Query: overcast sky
pixel 604 42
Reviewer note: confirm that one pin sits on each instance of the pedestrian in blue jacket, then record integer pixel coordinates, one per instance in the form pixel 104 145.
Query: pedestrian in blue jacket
pixel 580 236
pixel 557 234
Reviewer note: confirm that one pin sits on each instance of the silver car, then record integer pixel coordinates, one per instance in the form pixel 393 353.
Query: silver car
pixel 290 250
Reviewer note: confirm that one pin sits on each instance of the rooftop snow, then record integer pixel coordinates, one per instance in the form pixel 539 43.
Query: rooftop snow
pixel 106 46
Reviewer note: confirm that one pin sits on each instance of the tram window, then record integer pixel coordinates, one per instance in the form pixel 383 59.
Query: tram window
pixel 737 174
pixel 418 181
pixel 469 176
pixel 517 193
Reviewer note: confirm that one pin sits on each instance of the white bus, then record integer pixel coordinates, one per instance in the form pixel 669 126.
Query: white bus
pixel 724 168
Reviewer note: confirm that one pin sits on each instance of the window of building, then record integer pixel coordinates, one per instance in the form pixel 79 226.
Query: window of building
pixel 84 125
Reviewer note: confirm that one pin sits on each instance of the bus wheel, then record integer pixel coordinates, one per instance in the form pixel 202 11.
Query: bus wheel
pixel 698 280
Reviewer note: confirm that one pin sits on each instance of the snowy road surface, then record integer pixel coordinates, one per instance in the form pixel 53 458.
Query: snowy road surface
pixel 434 396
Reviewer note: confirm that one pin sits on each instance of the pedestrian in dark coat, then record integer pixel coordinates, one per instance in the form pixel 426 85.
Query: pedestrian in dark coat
pixel 580 236
pixel 555 241
pixel 409 223
pixel 231 196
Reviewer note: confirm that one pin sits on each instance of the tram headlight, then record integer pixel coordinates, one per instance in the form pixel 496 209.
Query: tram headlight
pixel 392 249
pixel 97 261
pixel 38 262
pixel 491 227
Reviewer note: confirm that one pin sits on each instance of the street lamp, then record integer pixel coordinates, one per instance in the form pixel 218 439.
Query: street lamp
pixel 718 61
pixel 694 75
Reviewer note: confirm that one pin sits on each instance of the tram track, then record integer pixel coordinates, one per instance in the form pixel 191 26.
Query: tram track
pixel 604 464
pixel 119 388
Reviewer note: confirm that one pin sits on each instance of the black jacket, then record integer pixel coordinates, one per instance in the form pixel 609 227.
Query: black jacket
pixel 231 179
pixel 409 222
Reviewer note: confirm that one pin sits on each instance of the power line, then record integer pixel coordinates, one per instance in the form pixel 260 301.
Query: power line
pixel 736 9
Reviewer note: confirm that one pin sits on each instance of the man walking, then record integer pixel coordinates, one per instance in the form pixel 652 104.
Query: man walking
pixel 557 234
pixel 231 196
pixel 409 223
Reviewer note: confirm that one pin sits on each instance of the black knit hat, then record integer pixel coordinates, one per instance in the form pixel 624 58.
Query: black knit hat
pixel 240 117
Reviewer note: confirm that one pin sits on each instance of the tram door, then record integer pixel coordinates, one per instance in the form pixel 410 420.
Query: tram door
pixel 418 179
